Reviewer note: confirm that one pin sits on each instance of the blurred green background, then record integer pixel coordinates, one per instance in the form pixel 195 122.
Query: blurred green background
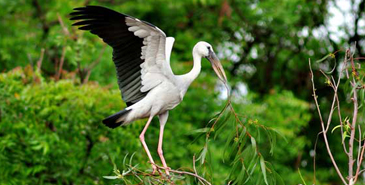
pixel 58 83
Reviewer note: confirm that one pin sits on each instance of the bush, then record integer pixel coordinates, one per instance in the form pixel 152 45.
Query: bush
pixel 51 132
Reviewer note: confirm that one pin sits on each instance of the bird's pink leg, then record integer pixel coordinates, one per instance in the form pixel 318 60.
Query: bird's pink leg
pixel 160 152
pixel 163 119
pixel 141 137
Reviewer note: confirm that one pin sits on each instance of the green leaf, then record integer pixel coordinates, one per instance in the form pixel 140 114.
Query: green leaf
pixel 324 58
pixel 111 177
pixel 336 127
pixel 301 177
pixel 263 169
pixel 253 142
pixel 344 136
pixel 203 154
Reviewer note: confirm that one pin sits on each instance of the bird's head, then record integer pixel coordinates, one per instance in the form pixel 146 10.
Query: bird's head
pixel 205 50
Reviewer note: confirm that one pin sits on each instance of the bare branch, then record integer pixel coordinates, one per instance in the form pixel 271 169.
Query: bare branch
pixel 58 75
pixel 92 65
pixel 186 173
pixel 64 28
pixel 39 62
pixel 354 119
pixel 196 173
pixel 323 126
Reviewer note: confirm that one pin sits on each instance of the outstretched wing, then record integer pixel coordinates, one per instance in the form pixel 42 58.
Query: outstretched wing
pixel 139 49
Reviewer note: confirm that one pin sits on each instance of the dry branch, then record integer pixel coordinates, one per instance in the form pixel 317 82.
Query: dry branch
pixel 353 127
pixel 324 131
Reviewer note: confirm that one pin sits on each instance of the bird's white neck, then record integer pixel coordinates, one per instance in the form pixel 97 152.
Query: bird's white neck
pixel 196 68
pixel 188 78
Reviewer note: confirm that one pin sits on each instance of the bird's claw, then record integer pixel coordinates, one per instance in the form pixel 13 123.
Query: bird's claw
pixel 154 169
pixel 167 170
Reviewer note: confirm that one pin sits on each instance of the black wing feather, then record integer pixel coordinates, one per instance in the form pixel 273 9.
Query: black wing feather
pixel 111 27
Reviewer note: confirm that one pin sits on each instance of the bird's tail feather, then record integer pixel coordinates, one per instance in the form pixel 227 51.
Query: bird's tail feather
pixel 114 120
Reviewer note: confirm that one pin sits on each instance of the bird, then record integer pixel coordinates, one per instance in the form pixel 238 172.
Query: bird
pixel 141 54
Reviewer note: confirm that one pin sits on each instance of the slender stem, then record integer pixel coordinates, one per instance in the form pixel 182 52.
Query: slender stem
pixel 359 147
pixel 353 125
pixel 335 88
pixel 58 75
pixel 360 161
pixel 187 173
pixel 333 102
pixel 323 127
pixel 340 117
pixel 39 62
pixel 196 173
pixel 352 136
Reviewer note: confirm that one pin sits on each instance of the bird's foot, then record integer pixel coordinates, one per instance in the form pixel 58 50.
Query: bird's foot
pixel 155 169
pixel 167 170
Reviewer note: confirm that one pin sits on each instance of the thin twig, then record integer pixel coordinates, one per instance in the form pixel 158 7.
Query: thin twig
pixel 39 62
pixel 359 147
pixel 314 158
pixel 338 103
pixel 58 75
pixel 191 174
pixel 196 173
pixel 358 172
pixel 186 173
pixel 333 102
pixel 92 65
pixel 64 28
pixel 354 119
pixel 323 127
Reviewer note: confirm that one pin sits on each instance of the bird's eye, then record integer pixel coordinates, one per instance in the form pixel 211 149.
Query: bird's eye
pixel 208 47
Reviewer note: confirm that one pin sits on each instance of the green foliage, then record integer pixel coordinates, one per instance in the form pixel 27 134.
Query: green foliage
pixel 51 132
pixel 287 115
pixel 47 127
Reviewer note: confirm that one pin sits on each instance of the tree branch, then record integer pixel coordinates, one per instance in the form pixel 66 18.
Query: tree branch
pixel 323 127
pixel 354 119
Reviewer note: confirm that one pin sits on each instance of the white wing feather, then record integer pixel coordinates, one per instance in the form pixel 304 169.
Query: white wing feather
pixel 156 53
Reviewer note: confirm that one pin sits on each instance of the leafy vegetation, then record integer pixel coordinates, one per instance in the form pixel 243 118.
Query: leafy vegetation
pixel 57 84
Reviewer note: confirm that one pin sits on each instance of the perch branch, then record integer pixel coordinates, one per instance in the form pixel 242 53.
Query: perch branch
pixel 201 179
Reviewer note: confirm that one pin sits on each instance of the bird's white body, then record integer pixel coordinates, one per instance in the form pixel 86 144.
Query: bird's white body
pixel 161 98
pixel 165 90
pixel 141 54
pixel 169 93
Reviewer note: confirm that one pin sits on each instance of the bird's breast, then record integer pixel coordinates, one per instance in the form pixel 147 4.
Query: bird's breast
pixel 166 96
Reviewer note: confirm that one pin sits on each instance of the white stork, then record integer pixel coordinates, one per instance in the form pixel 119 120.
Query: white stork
pixel 141 54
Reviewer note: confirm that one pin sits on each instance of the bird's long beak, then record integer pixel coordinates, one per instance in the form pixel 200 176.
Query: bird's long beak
pixel 217 66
